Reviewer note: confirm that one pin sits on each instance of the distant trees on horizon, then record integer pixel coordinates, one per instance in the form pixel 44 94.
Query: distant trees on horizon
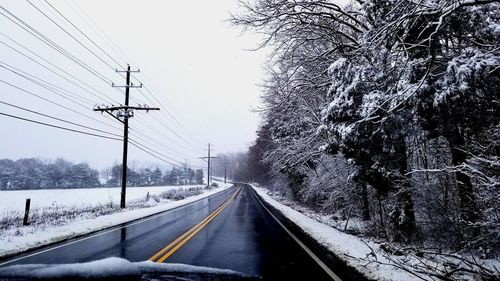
pixel 34 173
pixel 152 177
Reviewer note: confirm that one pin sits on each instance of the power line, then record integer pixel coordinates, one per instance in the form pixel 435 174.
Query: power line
pixel 159 145
pixel 147 89
pixel 156 156
pixel 34 32
pixel 51 70
pixel 53 102
pixel 83 33
pixel 70 35
pixel 100 32
pixel 56 118
pixel 182 145
pixel 68 55
pixel 57 127
pixel 161 154
pixel 161 122
pixel 74 38
pixel 39 81
pixel 170 114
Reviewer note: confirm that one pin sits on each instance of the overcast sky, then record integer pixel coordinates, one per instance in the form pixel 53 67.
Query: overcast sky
pixel 193 62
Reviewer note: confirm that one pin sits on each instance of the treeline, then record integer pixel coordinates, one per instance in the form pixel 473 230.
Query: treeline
pixel 151 177
pixel 237 167
pixel 32 173
pixel 387 112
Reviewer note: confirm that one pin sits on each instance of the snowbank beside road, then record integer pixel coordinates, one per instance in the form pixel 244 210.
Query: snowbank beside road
pixel 347 247
pixel 28 237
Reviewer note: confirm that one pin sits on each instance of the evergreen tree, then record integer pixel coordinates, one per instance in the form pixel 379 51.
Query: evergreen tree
pixel 199 176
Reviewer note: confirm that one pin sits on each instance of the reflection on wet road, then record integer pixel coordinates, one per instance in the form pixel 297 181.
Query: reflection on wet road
pixel 230 230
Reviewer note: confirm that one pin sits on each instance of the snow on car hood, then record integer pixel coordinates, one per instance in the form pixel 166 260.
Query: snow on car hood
pixel 118 269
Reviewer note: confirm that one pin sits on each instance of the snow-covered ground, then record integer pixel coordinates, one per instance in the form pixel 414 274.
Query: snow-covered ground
pixel 364 255
pixel 22 238
pixel 15 200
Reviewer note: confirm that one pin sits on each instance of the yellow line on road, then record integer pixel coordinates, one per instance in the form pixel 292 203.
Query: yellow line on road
pixel 181 240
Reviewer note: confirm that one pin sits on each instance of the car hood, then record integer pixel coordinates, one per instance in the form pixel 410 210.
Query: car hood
pixel 119 269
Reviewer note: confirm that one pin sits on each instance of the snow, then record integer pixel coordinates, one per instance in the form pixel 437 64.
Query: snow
pixel 14 200
pixel 12 244
pixel 371 102
pixel 344 130
pixel 109 267
pixel 471 66
pixel 153 267
pixel 347 247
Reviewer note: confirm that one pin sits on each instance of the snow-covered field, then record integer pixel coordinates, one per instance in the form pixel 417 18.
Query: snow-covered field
pixel 76 218
pixel 367 256
pixel 15 200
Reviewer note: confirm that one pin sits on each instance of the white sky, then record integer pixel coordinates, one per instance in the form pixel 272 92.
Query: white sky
pixel 193 61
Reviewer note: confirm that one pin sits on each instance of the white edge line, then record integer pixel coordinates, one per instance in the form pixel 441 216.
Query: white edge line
pixel 306 249
pixel 114 228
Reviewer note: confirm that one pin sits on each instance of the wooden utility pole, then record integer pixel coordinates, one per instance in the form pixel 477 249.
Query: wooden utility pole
pixel 225 168
pixel 125 140
pixel 207 158
pixel 208 172
pixel 123 113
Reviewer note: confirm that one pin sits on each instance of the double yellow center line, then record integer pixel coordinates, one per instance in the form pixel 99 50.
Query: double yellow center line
pixel 171 248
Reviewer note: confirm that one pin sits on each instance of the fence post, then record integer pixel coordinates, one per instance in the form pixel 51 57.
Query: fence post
pixel 27 211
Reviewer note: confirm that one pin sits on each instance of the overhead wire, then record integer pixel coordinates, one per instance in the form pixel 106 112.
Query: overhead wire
pixel 55 103
pixel 120 52
pixel 159 145
pixel 73 58
pixel 93 25
pixel 183 146
pixel 37 34
pixel 159 153
pixel 51 70
pixel 57 127
pixel 71 35
pixel 57 118
pixel 170 114
pixel 32 78
pixel 142 148
pixel 81 32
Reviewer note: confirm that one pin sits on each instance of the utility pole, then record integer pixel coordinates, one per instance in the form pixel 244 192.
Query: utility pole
pixel 123 113
pixel 208 172
pixel 225 168
pixel 208 164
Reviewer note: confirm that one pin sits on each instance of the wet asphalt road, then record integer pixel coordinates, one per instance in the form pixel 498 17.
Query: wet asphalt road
pixel 242 236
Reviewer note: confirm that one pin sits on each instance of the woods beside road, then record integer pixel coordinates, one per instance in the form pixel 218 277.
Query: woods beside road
pixel 385 115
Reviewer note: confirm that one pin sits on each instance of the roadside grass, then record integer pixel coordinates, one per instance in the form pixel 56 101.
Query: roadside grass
pixel 11 222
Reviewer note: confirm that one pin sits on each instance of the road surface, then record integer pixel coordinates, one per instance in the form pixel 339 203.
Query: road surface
pixel 232 229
